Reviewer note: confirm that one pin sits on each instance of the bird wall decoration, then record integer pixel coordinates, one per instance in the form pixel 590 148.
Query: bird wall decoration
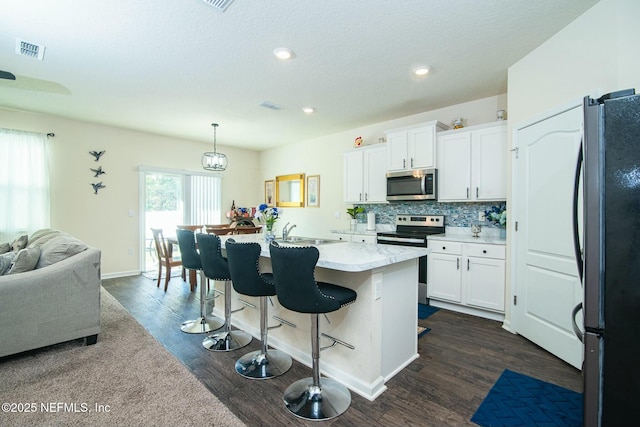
pixel 97 154
pixel 97 172
pixel 97 186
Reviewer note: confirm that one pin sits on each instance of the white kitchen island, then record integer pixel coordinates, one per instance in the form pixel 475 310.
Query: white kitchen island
pixel 381 324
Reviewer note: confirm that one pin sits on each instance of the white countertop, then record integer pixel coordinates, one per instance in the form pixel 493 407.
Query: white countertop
pixel 463 234
pixel 347 256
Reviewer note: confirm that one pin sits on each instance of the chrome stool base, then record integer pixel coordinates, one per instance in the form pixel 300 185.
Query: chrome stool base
pixel 304 400
pixel 227 341
pixel 260 366
pixel 201 325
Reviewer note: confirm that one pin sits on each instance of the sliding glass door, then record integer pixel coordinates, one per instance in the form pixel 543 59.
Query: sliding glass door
pixel 171 198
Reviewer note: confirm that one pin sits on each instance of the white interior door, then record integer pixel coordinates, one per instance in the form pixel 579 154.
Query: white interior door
pixel 546 282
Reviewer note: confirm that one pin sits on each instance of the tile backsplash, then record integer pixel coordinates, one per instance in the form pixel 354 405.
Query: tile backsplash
pixel 456 214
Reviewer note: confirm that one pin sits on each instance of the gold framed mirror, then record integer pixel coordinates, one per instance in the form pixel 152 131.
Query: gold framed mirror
pixel 290 190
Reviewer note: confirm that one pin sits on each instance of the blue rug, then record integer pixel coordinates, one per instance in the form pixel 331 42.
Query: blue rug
pixel 519 400
pixel 425 311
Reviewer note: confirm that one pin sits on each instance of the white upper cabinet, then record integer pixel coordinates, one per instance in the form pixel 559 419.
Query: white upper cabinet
pixel 472 163
pixel 365 178
pixel 413 147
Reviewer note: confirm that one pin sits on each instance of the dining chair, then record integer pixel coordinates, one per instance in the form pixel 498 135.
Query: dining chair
pixel 164 258
pixel 247 230
pixel 218 229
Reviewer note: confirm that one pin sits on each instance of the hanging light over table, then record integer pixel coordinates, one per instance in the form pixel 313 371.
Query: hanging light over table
pixel 214 161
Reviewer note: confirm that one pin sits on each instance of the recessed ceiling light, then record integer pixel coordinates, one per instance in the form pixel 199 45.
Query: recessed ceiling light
pixel 284 53
pixel 422 70
pixel 308 110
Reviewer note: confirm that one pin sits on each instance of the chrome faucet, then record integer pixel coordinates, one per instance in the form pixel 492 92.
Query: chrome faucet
pixel 286 231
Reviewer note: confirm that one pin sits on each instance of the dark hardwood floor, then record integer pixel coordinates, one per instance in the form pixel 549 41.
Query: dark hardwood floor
pixel 460 359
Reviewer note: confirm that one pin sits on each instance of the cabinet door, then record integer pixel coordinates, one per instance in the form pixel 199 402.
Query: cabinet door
pixel 353 177
pixel 375 177
pixel 397 151
pixel 454 167
pixel 444 279
pixel 363 238
pixel 342 236
pixel 422 148
pixel 489 164
pixel 485 283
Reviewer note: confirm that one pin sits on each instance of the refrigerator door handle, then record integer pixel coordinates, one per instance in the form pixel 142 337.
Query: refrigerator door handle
pixel 576 328
pixel 576 232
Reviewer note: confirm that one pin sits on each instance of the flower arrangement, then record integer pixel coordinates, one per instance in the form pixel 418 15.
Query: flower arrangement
pixel 497 215
pixel 354 211
pixel 267 215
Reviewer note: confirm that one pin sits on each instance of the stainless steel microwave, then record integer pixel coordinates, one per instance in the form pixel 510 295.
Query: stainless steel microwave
pixel 417 184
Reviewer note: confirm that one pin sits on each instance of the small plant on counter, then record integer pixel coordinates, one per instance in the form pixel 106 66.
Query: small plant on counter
pixel 267 215
pixel 354 211
pixel 497 216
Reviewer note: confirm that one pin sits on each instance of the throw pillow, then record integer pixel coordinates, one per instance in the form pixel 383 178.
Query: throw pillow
pixel 25 260
pixel 19 243
pixel 40 237
pixel 5 262
pixel 58 248
pixel 5 247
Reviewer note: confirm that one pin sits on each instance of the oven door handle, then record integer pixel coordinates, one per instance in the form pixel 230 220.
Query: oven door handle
pixel 400 239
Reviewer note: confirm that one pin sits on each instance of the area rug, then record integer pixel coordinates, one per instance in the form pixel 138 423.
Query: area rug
pixel 519 400
pixel 425 311
pixel 126 379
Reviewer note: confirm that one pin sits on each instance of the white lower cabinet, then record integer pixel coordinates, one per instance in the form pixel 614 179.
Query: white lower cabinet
pixel 469 276
pixel 357 238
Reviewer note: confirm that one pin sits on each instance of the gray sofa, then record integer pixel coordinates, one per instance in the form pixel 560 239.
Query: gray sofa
pixel 57 301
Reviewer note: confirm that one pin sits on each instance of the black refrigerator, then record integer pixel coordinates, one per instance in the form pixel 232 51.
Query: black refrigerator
pixel 610 263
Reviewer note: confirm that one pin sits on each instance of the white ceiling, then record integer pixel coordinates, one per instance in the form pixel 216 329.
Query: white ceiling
pixel 173 67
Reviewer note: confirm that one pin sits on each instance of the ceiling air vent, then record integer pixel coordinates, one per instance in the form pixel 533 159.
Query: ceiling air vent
pixel 29 49
pixel 271 105
pixel 221 5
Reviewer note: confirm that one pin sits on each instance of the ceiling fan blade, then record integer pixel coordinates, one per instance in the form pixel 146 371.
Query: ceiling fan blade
pixel 7 75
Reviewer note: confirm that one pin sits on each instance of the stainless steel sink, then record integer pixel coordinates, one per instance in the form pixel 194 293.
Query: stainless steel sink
pixel 297 240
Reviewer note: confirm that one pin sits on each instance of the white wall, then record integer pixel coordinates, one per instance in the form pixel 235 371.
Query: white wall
pixel 323 156
pixel 595 54
pixel 102 220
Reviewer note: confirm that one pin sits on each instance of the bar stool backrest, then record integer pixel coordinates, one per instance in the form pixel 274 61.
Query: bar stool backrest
pixel 188 251
pixel 243 261
pixel 293 274
pixel 214 265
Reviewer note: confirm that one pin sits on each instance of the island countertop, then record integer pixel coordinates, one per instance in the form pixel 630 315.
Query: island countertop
pixel 347 256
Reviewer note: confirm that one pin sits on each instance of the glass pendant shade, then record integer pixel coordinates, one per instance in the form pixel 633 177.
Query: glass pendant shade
pixel 212 160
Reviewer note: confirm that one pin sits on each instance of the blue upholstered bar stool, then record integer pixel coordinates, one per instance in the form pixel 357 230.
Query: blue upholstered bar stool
pixel 311 398
pixel 191 260
pixel 243 261
pixel 215 267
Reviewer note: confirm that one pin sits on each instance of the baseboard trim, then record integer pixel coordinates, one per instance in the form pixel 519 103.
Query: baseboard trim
pixel 120 274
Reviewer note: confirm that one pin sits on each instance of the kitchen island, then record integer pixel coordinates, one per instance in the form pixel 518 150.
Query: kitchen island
pixel 381 324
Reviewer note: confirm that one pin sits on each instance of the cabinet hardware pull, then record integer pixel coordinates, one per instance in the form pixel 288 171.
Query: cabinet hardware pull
pixel 366 196
pixel 404 163
pixel 457 263
pixel 360 196
pixel 412 162
pixel 484 251
pixel 467 192
pixel 468 264
pixel 477 192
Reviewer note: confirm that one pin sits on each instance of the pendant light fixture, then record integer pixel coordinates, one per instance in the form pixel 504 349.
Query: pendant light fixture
pixel 214 161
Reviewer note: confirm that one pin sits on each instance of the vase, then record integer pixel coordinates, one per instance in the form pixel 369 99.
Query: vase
pixel 503 233
pixel 353 224
pixel 269 235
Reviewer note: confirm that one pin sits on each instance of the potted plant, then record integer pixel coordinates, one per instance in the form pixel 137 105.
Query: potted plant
pixel 353 213
pixel 498 216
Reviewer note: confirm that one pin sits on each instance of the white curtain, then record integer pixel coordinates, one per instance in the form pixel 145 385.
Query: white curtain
pixel 205 199
pixel 24 183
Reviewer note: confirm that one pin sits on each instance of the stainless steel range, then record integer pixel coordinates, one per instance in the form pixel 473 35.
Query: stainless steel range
pixel 412 230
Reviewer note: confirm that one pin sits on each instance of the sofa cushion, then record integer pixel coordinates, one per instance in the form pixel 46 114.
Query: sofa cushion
pixel 25 260
pixel 20 243
pixel 58 248
pixel 41 236
pixel 5 262
pixel 5 247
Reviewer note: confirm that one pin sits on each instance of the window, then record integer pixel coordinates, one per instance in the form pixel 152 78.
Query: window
pixel 24 183
pixel 170 198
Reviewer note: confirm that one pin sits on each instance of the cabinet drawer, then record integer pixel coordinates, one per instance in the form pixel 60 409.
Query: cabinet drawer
pixel 485 251
pixel 443 247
